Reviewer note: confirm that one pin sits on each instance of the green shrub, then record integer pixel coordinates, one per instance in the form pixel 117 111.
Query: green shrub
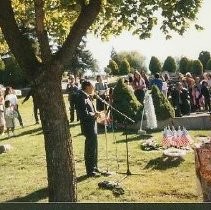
pixel 209 64
pixel 154 65
pixel 197 68
pixel 126 102
pixel 124 68
pixel 183 65
pixel 163 108
pixel 169 64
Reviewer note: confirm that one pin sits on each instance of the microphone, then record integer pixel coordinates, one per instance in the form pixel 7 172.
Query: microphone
pixel 104 101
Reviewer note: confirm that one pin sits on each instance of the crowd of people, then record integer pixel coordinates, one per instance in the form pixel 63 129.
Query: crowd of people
pixel 186 93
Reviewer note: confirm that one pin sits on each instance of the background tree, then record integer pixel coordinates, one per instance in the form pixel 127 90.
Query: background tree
pixel 114 67
pixel 65 23
pixel 114 56
pixel 134 58
pixel 12 74
pixel 183 65
pixel 154 65
pixel 107 70
pixel 197 68
pixel 190 66
pixel 82 61
pixel 169 64
pixel 204 56
pixel 126 102
pixel 208 65
pixel 124 68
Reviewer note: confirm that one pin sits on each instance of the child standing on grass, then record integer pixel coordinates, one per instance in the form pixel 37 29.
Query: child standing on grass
pixel 10 115
pixel 2 119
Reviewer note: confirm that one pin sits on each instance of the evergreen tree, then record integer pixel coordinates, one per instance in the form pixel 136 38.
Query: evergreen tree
pixel 190 66
pixel 126 102
pixel 124 67
pixel 82 60
pixel 107 70
pixel 154 65
pixel 12 74
pixel 209 65
pixel 197 68
pixel 134 58
pixel 114 56
pixel 114 67
pixel 183 65
pixel 204 56
pixel 169 64
pixel 163 108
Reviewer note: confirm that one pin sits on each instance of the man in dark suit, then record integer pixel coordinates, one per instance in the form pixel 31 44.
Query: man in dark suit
pixel 35 103
pixel 72 90
pixel 88 115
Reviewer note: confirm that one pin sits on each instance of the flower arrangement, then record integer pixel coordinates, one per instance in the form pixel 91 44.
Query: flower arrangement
pixel 150 144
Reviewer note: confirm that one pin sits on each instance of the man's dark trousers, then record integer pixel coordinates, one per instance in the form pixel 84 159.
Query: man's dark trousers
pixel 91 146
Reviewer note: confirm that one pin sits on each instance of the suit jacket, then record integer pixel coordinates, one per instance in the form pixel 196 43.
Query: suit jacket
pixel 86 111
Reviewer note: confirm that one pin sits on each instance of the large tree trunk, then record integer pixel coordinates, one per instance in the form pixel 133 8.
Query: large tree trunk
pixel 58 145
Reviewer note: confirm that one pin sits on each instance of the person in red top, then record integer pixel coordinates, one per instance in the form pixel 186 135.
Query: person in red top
pixel 139 86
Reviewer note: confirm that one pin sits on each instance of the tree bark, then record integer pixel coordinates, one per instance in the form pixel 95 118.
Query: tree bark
pixel 58 143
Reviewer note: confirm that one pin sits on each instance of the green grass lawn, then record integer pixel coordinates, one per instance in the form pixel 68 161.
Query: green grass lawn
pixel 23 169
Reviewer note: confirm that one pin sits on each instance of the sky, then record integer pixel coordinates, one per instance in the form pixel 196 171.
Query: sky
pixel 189 45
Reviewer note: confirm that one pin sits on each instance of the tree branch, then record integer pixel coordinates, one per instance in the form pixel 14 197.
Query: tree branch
pixel 41 32
pixel 85 19
pixel 19 45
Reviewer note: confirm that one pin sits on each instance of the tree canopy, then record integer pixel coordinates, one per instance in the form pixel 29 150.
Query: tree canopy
pixel 115 16
pixel 154 65
pixel 183 65
pixel 82 61
pixel 134 58
pixel 169 64
pixel 208 65
pixel 204 56
pixel 197 68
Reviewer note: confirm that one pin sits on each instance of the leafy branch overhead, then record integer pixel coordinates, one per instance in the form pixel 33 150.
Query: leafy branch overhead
pixel 141 16
pixel 115 16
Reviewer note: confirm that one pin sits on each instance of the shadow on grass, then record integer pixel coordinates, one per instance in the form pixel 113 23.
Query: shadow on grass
pixel 163 163
pixel 135 138
pixel 82 178
pixel 74 124
pixel 32 197
pixel 28 132
pixel 79 134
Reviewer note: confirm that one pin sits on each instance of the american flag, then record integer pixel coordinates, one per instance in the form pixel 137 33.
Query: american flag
pixel 166 141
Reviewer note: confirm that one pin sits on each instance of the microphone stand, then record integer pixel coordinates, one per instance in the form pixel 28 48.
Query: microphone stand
pixel 128 172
